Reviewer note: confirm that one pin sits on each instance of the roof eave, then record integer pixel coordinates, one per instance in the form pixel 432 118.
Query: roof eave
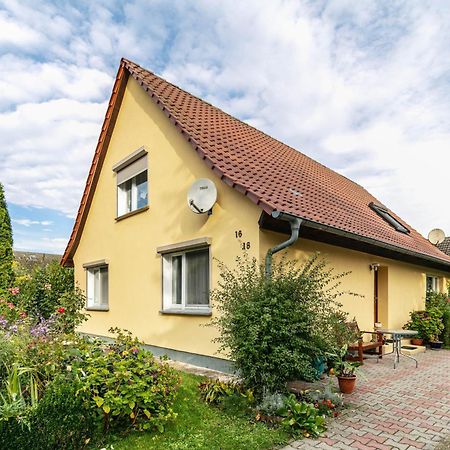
pixel 427 260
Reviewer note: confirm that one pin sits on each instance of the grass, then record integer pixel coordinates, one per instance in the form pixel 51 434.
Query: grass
pixel 201 426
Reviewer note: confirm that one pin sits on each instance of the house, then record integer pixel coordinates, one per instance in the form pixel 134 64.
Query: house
pixel 445 246
pixel 145 259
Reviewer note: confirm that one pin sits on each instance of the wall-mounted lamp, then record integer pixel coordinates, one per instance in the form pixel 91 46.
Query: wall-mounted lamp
pixel 374 266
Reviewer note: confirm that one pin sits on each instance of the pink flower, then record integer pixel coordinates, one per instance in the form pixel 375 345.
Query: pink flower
pixel 61 310
pixel 14 291
pixel 11 305
pixel 23 314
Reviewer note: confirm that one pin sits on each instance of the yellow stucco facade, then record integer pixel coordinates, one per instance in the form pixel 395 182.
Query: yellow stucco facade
pixel 129 246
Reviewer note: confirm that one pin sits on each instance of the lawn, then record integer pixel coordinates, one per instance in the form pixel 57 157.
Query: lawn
pixel 200 426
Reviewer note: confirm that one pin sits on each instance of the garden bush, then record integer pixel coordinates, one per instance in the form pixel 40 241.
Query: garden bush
pixel 302 418
pixel 274 329
pixel 441 301
pixel 428 324
pixel 45 291
pixel 128 387
pixel 61 420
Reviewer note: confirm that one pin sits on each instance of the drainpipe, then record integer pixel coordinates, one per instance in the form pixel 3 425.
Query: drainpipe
pixel 295 228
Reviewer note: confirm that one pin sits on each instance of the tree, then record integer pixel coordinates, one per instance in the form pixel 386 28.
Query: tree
pixel 6 244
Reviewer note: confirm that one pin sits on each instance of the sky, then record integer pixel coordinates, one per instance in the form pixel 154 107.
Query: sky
pixel 361 86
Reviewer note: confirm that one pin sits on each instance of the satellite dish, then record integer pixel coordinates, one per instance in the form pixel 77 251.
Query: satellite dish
pixel 201 196
pixel 436 236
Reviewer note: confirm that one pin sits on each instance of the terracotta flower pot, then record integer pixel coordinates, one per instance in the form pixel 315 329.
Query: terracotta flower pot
pixel 416 341
pixel 347 384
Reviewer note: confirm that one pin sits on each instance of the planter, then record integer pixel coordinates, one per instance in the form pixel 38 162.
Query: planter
pixel 416 341
pixel 436 345
pixel 347 384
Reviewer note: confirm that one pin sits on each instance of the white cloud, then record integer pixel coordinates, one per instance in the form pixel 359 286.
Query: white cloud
pixel 29 222
pixel 45 245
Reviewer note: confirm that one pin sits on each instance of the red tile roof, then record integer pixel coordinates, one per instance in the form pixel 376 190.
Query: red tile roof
pixel 273 175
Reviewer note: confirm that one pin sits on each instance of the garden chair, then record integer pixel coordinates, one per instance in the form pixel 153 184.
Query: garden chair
pixel 360 347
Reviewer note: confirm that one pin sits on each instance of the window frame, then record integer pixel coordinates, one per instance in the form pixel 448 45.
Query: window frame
pixel 167 305
pixel 133 196
pixel 389 218
pixel 121 194
pixel 90 269
pixel 436 282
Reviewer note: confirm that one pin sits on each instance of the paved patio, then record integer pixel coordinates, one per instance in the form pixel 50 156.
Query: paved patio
pixel 405 408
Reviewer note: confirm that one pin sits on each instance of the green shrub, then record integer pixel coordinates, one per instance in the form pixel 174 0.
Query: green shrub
pixel 8 354
pixel 15 434
pixel 427 323
pixel 127 386
pixel 6 244
pixel 441 301
pixel 215 391
pixel 275 329
pixel 42 292
pixel 302 418
pixel 63 419
pixel 446 333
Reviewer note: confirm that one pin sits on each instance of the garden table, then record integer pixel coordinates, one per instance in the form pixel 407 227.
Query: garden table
pixel 397 336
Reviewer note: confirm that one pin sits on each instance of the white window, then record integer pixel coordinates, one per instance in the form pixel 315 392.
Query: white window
pixel 186 276
pixel 432 283
pixel 97 287
pixel 132 182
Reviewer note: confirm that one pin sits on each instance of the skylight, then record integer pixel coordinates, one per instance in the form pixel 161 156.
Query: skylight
pixel 386 215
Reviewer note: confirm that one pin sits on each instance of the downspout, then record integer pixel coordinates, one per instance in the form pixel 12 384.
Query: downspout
pixel 295 223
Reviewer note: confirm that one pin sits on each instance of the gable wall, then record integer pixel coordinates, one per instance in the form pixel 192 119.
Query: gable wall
pixel 129 245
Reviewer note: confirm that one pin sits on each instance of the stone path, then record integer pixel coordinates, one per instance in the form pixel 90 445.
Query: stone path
pixel 405 408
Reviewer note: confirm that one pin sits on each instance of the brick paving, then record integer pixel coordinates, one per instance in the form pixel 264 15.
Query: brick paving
pixel 405 408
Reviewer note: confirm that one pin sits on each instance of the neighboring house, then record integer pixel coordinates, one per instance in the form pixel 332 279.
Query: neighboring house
pixel 146 260
pixel 445 246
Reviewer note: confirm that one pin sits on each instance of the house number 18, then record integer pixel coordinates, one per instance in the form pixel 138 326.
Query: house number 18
pixel 244 245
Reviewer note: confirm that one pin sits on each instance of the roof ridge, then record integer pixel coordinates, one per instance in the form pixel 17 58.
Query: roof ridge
pixel 128 61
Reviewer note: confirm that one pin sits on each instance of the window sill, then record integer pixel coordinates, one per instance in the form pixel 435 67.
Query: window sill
pixel 187 312
pixel 132 213
pixel 97 308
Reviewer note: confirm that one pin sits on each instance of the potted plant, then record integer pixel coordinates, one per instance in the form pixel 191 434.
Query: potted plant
pixel 427 323
pixel 345 372
pixel 435 343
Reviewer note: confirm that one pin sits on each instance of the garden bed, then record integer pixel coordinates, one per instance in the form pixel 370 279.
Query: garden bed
pixel 201 426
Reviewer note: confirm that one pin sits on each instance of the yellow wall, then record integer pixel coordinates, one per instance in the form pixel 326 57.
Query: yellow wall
pixel 401 285
pixel 130 245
